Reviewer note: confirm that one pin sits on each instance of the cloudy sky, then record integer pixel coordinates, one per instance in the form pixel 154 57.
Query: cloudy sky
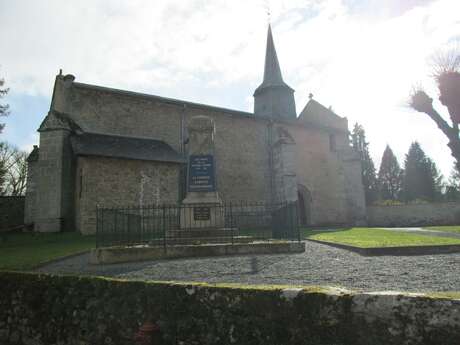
pixel 361 57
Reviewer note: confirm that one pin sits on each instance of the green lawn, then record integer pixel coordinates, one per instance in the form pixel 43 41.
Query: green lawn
pixel 24 251
pixel 374 237
pixel 446 228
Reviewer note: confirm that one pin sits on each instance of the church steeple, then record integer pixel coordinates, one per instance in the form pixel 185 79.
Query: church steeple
pixel 273 98
pixel 272 71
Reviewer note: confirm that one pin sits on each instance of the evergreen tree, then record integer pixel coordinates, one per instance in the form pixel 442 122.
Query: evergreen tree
pixel 368 174
pixel 453 186
pixel 438 181
pixel 390 176
pixel 422 179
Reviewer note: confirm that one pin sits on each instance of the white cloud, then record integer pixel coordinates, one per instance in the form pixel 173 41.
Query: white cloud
pixel 361 57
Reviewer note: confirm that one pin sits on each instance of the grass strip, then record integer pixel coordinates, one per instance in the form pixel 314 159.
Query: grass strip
pixel 374 237
pixel 24 251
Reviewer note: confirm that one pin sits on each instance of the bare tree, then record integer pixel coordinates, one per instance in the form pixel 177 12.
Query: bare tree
pixel 4 108
pixel 13 170
pixel 447 76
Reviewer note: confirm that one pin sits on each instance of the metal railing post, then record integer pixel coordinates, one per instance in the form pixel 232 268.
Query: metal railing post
pixel 297 220
pixel 164 228
pixel 97 226
pixel 231 222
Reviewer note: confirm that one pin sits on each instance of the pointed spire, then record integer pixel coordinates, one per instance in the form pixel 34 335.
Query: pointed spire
pixel 273 98
pixel 272 71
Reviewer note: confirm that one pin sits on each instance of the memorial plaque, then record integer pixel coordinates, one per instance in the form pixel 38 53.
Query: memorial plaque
pixel 202 202
pixel 201 173
pixel 201 213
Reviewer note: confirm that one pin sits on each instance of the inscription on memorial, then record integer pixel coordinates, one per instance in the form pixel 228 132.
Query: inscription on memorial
pixel 201 213
pixel 201 173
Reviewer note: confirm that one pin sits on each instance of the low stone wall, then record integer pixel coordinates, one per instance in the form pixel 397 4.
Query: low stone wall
pixel 111 255
pixel 41 309
pixel 446 213
pixel 11 212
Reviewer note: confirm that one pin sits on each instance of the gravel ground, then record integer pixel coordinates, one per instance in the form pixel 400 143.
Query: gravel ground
pixel 319 265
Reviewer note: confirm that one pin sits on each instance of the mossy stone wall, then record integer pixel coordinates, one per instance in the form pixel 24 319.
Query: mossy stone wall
pixel 42 309
pixel 423 214
pixel 11 212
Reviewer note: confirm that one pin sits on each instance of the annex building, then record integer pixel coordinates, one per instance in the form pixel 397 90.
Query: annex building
pixel 105 147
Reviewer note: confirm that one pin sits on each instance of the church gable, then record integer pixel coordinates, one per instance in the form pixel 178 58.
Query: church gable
pixel 56 120
pixel 315 113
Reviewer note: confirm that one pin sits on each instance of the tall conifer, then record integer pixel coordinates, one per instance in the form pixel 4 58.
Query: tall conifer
pixel 422 179
pixel 367 165
pixel 390 176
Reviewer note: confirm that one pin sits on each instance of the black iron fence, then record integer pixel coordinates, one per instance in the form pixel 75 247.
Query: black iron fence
pixel 197 224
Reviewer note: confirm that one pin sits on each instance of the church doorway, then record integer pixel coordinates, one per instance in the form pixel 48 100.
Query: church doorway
pixel 304 198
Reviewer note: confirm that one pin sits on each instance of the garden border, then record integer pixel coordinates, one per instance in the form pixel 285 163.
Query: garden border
pixel 395 251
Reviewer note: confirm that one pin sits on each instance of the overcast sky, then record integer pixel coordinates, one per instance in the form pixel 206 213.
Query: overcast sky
pixel 360 57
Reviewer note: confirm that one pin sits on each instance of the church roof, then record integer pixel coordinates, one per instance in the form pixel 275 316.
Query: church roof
pixel 272 71
pixel 315 107
pixel 56 120
pixel 115 146
pixel 316 113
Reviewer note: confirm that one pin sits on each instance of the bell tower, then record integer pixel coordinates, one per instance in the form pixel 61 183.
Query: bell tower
pixel 273 98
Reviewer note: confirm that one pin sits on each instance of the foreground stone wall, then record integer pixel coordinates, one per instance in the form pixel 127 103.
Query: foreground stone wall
pixel 11 212
pixel 41 309
pixel 446 213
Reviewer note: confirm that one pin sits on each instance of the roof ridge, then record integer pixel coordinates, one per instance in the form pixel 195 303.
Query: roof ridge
pixel 120 136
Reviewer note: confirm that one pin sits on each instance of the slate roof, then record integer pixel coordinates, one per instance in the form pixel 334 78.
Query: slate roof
pixel 104 145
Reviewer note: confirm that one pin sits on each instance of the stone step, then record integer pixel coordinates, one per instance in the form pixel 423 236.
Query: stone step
pixel 202 232
pixel 202 240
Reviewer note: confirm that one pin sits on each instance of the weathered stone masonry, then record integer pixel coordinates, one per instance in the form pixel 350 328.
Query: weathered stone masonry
pixel 268 155
pixel 66 310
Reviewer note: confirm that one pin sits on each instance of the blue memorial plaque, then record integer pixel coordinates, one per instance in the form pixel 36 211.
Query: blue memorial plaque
pixel 201 173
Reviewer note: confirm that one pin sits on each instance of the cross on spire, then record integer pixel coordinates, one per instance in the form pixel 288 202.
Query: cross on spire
pixel 267 5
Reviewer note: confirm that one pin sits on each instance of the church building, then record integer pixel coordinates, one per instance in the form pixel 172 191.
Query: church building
pixel 113 148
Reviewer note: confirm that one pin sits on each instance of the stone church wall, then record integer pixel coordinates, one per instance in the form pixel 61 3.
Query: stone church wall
pixel 240 142
pixel 101 111
pixel 52 176
pixel 242 159
pixel 319 170
pixel 444 213
pixel 109 182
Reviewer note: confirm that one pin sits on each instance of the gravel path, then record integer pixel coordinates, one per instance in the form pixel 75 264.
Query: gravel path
pixel 319 265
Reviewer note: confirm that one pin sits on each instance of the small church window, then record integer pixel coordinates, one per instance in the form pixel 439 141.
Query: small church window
pixel 332 143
